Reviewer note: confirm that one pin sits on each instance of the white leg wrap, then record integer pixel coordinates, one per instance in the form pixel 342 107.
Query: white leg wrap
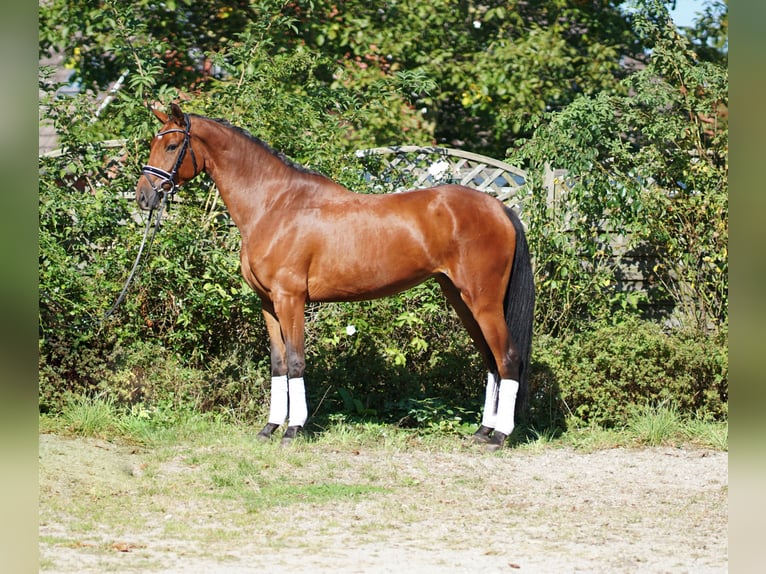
pixel 298 409
pixel 506 404
pixel 489 416
pixel 278 409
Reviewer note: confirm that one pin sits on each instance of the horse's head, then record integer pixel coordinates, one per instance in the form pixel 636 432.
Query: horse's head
pixel 171 159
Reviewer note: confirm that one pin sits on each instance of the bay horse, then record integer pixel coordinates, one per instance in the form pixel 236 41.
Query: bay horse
pixel 306 238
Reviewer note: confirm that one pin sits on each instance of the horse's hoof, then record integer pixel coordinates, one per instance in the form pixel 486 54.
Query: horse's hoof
pixel 290 434
pixel 266 432
pixel 482 435
pixel 496 441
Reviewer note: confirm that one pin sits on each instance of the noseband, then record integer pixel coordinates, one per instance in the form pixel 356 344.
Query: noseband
pixel 166 179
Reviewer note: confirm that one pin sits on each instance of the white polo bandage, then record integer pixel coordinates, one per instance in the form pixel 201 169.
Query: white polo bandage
pixel 489 415
pixel 298 409
pixel 278 408
pixel 506 404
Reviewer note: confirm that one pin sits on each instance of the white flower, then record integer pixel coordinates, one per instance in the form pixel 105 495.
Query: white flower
pixel 350 330
pixel 438 169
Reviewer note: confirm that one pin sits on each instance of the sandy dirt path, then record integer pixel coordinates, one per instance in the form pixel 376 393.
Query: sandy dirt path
pixel 653 510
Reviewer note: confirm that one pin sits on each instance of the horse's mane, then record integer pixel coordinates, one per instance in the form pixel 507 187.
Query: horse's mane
pixel 278 154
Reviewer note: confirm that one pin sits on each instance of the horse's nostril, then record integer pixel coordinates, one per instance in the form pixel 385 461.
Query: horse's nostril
pixel 143 200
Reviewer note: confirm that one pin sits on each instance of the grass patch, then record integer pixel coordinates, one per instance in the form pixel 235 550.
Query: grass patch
pixel 285 494
pixel 655 426
pixel 91 417
pixel 161 425
pixel 263 476
pixel 662 425
pixel 101 417
pixel 665 425
pixel 593 438
pixel 713 435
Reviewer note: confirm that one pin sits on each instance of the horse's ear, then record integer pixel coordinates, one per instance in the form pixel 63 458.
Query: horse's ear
pixel 160 115
pixel 178 115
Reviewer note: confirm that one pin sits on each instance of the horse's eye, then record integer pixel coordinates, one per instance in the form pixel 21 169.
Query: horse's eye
pixel 172 147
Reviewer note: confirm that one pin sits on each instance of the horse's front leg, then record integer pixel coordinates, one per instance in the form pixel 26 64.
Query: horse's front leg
pixel 285 322
pixel 278 408
pixel 290 312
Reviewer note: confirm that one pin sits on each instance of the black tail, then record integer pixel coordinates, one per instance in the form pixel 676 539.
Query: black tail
pixel 520 306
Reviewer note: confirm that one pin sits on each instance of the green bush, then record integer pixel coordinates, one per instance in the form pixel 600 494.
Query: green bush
pixel 597 376
pixel 647 178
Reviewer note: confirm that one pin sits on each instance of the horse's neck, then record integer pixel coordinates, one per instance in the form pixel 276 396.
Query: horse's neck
pixel 234 161
pixel 249 177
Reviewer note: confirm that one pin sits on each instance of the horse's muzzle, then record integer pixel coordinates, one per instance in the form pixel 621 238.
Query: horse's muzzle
pixel 146 197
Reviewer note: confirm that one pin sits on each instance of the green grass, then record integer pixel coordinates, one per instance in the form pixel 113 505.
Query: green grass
pixel 661 425
pixel 656 426
pixel 101 417
pixel 90 417
pixel 285 494
pixel 665 425
pixel 714 435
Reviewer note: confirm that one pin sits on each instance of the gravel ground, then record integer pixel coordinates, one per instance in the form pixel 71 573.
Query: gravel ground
pixel 551 510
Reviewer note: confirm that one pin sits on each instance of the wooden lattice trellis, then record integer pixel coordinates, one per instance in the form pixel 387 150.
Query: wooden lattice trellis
pixel 407 167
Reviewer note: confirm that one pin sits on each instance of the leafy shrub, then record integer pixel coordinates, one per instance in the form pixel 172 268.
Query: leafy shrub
pixel 598 376
pixel 648 171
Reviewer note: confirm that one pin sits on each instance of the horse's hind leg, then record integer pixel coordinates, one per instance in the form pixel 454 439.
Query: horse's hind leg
pixel 453 296
pixel 492 322
pixel 484 317
pixel 489 413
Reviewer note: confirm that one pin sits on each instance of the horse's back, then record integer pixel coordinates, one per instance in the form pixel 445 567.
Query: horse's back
pixel 384 244
pixel 465 207
pixel 442 218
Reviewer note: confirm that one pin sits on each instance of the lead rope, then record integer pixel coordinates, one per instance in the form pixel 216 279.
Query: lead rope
pixel 144 243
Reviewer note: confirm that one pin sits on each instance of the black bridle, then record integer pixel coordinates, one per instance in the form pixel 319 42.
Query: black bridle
pixel 166 187
pixel 167 183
